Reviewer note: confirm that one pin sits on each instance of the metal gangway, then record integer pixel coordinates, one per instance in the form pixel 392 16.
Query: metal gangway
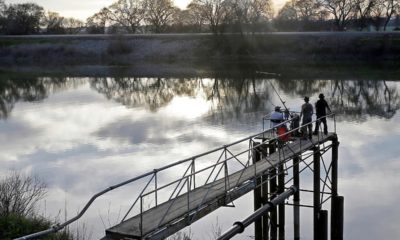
pixel 210 180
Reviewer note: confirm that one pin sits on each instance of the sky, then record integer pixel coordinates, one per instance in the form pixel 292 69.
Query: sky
pixel 84 9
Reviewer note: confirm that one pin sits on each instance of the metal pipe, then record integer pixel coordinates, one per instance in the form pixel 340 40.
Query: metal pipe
pixel 238 227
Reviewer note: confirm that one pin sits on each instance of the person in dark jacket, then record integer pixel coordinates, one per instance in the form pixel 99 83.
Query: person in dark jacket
pixel 320 107
pixel 306 113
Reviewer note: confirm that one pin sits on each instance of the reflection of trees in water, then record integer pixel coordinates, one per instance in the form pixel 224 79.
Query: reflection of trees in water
pixel 28 89
pixel 230 97
pixel 151 93
pixel 233 97
pixel 355 99
pixel 351 100
pixel 301 87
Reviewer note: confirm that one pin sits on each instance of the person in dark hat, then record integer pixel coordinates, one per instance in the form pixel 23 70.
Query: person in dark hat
pixel 307 111
pixel 320 107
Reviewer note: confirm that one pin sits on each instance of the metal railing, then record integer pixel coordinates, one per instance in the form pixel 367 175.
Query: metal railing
pixel 190 179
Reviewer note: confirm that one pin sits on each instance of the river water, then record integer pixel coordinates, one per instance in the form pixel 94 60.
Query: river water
pixel 82 134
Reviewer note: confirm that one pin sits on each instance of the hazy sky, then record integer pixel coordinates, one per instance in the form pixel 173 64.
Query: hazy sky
pixel 84 8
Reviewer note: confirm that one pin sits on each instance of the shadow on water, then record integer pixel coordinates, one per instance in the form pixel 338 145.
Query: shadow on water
pixel 231 92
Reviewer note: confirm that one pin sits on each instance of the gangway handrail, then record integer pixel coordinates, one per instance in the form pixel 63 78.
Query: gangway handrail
pixel 57 227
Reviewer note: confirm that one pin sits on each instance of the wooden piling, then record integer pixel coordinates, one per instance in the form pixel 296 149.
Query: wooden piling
pixel 323 225
pixel 281 207
pixel 317 190
pixel 337 217
pixel 257 196
pixel 273 189
pixel 296 198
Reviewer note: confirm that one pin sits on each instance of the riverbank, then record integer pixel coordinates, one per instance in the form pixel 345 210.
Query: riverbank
pixel 197 48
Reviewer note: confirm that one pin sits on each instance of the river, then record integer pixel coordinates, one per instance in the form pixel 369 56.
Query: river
pixel 83 134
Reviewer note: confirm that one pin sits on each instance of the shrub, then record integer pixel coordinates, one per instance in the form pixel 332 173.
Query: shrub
pixel 18 198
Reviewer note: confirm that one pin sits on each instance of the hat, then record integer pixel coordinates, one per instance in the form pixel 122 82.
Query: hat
pixel 306 99
pixel 277 108
pixel 321 95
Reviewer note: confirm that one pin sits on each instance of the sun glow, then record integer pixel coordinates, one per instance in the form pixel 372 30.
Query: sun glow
pixel 187 107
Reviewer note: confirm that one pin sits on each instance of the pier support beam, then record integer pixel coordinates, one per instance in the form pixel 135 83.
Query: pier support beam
pixel 257 193
pixel 273 190
pixel 281 207
pixel 337 202
pixel 317 194
pixel 296 198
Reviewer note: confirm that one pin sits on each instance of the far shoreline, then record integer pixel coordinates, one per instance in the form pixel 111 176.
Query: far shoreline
pixel 197 54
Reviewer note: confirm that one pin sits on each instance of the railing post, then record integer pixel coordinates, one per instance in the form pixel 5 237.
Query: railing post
pixel 194 173
pixel 155 186
pixel 188 200
pixel 317 191
pixel 141 216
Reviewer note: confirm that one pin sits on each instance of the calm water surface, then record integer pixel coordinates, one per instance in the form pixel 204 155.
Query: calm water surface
pixel 81 135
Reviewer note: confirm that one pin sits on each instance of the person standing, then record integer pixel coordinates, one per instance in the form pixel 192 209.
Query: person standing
pixel 320 108
pixel 307 111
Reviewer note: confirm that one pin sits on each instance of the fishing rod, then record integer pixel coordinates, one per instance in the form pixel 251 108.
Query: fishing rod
pixel 273 87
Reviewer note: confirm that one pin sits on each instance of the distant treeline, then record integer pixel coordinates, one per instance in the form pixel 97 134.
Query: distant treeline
pixel 215 16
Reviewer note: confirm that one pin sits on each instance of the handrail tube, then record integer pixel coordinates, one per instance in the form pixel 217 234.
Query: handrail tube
pixel 238 227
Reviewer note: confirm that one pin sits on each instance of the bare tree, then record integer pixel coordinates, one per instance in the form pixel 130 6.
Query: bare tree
pixel 73 25
pixel 307 9
pixel 127 13
pixel 362 11
pixel 391 7
pixel 19 194
pixel 341 11
pixel 215 12
pixel 159 13
pixel 97 22
pixel 377 13
pixel 195 16
pixel 250 12
pixel 53 23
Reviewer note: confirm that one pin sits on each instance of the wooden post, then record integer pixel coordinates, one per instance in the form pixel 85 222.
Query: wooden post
pixel 337 202
pixel 335 148
pixel 337 218
pixel 317 190
pixel 323 225
pixel 257 195
pixel 296 198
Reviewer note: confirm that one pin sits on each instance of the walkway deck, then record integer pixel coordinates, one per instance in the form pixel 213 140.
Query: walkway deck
pixel 187 208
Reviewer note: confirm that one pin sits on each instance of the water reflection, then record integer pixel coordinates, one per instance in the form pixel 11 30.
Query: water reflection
pixel 229 97
pixel 84 134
